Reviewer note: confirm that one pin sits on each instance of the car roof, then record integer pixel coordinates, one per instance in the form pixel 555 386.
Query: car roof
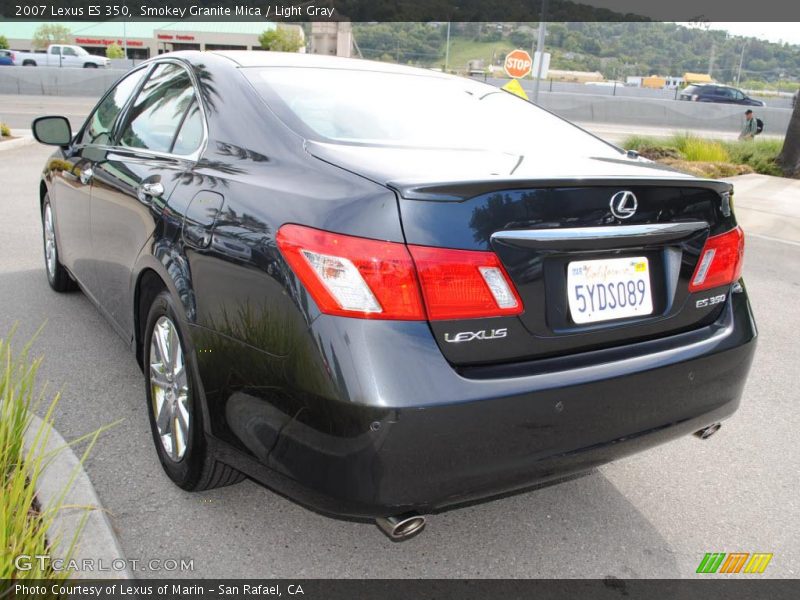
pixel 719 85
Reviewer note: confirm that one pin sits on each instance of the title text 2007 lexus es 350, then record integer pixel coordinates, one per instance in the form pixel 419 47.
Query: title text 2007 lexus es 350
pixel 382 290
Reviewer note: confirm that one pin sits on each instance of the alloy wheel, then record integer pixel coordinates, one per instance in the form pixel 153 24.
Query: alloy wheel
pixel 49 242
pixel 169 388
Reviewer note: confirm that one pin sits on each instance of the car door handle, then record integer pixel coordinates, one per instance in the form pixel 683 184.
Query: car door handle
pixel 86 175
pixel 154 189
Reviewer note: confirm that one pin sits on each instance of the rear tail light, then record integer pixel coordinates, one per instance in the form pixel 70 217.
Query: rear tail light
pixel 720 261
pixel 464 284
pixel 353 277
pixel 370 279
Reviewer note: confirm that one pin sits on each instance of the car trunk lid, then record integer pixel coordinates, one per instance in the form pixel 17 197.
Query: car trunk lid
pixel 544 224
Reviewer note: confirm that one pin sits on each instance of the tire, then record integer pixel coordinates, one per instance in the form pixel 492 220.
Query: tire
pixel 89 66
pixel 28 63
pixel 179 435
pixel 57 276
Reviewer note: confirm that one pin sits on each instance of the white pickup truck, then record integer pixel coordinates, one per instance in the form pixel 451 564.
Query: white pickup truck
pixel 61 55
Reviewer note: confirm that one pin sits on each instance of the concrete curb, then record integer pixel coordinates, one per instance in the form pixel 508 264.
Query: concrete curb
pixel 97 541
pixel 16 143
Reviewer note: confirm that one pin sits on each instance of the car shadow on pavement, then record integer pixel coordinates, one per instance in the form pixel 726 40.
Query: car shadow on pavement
pixel 582 527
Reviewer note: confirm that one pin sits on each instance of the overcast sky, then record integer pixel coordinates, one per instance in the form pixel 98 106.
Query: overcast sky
pixel 774 32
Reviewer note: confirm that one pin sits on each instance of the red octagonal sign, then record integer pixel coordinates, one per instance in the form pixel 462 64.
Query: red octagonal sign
pixel 518 64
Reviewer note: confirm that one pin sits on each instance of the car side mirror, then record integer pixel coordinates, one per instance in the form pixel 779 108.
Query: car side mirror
pixel 55 131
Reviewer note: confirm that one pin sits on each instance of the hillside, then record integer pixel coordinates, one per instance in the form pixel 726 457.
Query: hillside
pixel 615 49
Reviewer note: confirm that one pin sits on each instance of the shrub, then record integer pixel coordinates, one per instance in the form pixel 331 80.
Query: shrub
pixel 637 142
pixel 115 51
pixel 697 149
pixel 5 131
pixel 24 524
pixel 761 155
pixel 699 155
pixel 281 40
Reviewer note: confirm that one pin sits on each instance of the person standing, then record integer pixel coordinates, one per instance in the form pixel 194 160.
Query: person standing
pixel 750 128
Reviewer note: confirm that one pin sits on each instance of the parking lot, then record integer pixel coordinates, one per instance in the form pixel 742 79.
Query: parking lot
pixel 652 515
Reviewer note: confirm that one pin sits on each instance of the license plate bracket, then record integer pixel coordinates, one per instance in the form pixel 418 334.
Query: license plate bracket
pixel 608 289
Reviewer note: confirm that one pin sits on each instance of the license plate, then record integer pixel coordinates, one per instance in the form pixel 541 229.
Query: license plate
pixel 601 290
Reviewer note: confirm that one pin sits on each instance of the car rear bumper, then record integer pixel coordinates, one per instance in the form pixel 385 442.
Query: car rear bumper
pixel 414 436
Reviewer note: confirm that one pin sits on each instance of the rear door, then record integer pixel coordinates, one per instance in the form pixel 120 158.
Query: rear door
pixel 53 56
pixel 158 141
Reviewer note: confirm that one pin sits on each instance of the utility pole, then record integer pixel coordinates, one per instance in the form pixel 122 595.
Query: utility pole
pixel 540 50
pixel 741 60
pixel 447 49
pixel 125 36
pixel 711 59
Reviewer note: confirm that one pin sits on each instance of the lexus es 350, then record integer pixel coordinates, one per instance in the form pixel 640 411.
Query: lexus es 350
pixel 381 290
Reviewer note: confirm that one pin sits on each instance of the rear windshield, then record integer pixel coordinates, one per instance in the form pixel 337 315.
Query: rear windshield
pixel 693 89
pixel 390 109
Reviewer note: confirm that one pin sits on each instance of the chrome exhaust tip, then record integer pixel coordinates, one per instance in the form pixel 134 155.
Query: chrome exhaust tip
pixel 401 527
pixel 707 432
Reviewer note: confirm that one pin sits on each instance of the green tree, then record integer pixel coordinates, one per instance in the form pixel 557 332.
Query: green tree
pixel 50 34
pixel 420 43
pixel 281 40
pixel 3 42
pixel 115 51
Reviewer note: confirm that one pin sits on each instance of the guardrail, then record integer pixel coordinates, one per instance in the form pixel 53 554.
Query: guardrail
pixel 575 106
pixel 653 109
pixel 655 112
pixel 55 81
pixel 777 100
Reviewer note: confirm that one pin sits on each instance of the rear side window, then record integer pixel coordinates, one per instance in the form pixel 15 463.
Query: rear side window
pixel 98 128
pixel 158 110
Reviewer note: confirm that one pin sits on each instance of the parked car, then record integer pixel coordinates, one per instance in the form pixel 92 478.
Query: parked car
pixel 6 57
pixel 61 55
pixel 352 298
pixel 715 92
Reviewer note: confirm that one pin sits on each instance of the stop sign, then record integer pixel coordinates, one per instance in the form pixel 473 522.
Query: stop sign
pixel 518 63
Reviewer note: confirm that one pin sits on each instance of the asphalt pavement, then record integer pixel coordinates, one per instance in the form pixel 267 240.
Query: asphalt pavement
pixel 652 515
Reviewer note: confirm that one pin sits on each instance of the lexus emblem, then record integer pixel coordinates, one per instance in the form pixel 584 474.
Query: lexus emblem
pixel 624 204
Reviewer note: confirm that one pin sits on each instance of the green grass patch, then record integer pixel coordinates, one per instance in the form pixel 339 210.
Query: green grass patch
pixel 713 158
pixel 695 149
pixel 25 525
pixel 760 155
